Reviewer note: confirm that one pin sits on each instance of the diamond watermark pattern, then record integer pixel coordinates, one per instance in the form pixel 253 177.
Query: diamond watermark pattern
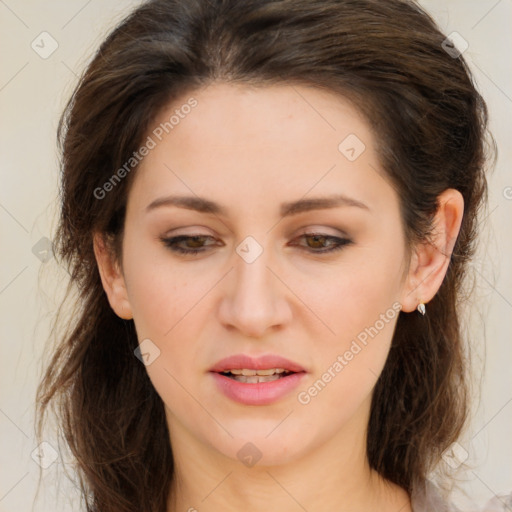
pixel 44 455
pixel 455 455
pixel 249 249
pixel 44 45
pixel 455 45
pixel 43 249
pixel 351 147
pixel 147 352
pixel 249 454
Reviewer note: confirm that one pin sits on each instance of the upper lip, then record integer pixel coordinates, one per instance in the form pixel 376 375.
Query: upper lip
pixel 265 362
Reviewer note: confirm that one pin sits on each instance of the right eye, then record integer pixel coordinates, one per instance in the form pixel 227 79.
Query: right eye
pixel 188 244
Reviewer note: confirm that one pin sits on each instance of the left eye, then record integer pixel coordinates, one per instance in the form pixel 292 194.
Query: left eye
pixel 327 243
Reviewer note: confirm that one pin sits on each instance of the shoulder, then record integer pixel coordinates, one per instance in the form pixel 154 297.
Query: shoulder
pixel 428 498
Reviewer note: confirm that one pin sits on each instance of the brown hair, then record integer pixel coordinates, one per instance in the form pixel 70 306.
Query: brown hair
pixel 387 57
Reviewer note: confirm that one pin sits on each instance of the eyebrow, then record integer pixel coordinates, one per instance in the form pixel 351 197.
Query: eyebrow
pixel 320 203
pixel 203 205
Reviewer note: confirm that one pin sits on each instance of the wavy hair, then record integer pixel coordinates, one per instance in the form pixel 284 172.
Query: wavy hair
pixel 385 56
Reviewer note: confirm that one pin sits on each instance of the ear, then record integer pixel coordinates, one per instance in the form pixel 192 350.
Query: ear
pixel 430 259
pixel 112 277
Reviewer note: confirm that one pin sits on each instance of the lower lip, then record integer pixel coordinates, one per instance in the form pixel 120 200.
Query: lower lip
pixel 260 393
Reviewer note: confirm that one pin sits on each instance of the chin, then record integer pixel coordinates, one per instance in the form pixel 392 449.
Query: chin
pixel 260 446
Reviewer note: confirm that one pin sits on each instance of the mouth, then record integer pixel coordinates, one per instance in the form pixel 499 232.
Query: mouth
pixel 249 376
pixel 259 380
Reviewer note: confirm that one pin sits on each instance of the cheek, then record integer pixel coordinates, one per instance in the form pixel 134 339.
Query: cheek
pixel 169 308
pixel 359 308
pixel 354 296
pixel 159 294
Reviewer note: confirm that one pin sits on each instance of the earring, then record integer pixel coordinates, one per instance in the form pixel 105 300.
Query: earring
pixel 421 308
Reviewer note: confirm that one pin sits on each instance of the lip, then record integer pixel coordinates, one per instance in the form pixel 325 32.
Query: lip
pixel 240 361
pixel 261 393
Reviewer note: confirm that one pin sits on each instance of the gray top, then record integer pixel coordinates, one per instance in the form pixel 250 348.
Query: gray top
pixel 429 499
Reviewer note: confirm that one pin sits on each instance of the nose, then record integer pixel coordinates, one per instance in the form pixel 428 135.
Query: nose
pixel 254 300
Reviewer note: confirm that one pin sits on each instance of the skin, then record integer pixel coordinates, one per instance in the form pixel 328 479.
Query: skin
pixel 251 149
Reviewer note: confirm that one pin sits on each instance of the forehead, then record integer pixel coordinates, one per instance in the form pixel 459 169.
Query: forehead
pixel 259 142
pixel 242 117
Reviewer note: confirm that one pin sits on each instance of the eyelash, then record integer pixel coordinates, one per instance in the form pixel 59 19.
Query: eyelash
pixel 172 243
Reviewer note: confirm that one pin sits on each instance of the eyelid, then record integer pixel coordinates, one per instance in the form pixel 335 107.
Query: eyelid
pixel 194 230
pixel 214 240
pixel 323 230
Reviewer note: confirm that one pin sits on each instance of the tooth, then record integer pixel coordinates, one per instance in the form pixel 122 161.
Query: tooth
pixel 250 373
pixel 254 379
pixel 270 371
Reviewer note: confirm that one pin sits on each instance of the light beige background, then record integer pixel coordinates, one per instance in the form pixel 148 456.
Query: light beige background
pixel 33 92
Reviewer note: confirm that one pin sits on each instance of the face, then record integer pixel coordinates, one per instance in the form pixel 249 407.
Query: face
pixel 262 226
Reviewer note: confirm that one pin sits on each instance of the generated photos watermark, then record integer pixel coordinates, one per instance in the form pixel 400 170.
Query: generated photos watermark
pixel 342 360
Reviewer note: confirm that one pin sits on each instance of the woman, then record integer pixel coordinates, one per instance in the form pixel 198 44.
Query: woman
pixel 268 209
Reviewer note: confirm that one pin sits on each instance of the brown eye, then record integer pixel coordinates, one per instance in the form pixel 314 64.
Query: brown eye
pixel 186 244
pixel 317 241
pixel 320 243
pixel 196 241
